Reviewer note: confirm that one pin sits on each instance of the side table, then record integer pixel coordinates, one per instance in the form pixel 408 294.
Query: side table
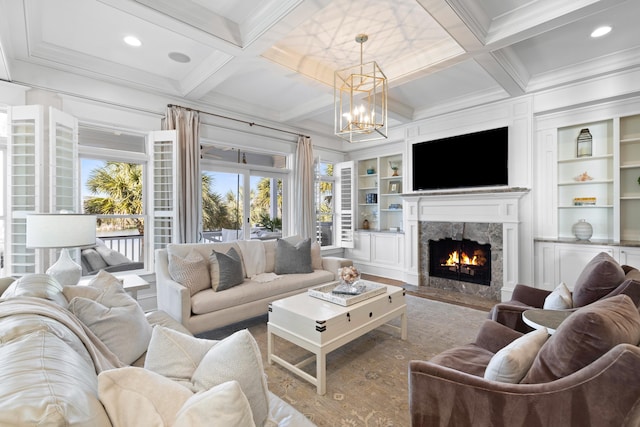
pixel 540 318
pixel 131 283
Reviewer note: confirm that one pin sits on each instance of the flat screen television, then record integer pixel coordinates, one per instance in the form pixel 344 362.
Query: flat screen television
pixel 478 159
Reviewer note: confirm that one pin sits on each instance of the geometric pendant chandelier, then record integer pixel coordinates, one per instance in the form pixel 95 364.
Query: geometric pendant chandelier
pixel 360 97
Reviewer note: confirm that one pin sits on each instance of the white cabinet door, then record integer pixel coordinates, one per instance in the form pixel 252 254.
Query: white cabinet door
pixel 386 249
pixel 630 256
pixel 361 250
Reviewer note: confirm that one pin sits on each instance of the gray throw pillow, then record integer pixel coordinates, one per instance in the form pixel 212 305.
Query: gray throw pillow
pixel 229 269
pixel 292 259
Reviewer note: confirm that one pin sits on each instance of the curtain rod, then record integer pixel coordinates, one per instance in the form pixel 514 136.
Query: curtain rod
pixel 239 120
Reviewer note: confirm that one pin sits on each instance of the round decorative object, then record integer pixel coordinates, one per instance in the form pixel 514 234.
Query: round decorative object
pixel 365 224
pixel 582 230
pixel 348 275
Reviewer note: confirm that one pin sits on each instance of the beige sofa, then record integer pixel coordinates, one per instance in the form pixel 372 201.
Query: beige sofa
pixel 207 309
pixel 62 366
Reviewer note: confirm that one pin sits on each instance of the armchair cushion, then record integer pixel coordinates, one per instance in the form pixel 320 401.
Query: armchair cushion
pixel 585 336
pixel 559 299
pixel 511 363
pixel 599 277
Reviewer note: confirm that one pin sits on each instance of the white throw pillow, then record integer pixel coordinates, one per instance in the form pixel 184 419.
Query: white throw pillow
pixel 235 358
pixel 223 405
pixel 175 355
pixel 138 397
pixel 559 299
pixel 316 256
pixel 511 363
pixel 192 271
pixel 113 316
pixel 238 358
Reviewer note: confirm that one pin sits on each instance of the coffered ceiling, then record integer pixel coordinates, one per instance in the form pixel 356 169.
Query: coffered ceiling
pixel 274 60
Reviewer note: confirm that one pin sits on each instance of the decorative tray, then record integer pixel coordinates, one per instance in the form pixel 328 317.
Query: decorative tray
pixel 325 292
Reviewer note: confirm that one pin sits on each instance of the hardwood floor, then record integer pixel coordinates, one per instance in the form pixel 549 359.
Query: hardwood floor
pixel 450 297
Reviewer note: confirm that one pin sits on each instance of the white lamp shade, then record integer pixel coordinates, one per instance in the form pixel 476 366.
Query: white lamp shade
pixel 60 230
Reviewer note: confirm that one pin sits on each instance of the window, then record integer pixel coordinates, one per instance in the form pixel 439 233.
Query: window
pixel 111 186
pixel 325 214
pixel 228 210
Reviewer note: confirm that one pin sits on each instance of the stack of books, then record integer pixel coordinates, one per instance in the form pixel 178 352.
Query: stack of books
pixel 584 201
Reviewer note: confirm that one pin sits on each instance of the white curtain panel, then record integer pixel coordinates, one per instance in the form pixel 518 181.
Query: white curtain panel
pixel 189 192
pixel 305 217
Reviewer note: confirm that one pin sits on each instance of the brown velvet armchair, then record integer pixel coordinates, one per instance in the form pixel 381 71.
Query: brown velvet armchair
pixel 601 278
pixel 583 375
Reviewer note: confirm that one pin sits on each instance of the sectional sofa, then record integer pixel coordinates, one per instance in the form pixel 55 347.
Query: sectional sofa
pixel 89 356
pixel 203 292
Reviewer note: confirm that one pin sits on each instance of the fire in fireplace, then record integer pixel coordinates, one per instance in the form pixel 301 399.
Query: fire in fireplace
pixel 463 260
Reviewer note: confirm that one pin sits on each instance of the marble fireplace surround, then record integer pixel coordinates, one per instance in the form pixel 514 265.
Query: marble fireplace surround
pixel 482 214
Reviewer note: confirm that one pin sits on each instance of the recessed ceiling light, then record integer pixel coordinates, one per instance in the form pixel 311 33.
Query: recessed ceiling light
pixel 179 57
pixel 132 41
pixel 601 31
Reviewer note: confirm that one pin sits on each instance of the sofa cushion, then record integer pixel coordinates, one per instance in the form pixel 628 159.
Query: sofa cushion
pixel 586 335
pixel 39 286
pixel 253 257
pixel 559 299
pixel 111 257
pixel 204 249
pixel 229 269
pixel 191 271
pixel 209 301
pixel 292 259
pixel 113 316
pixel 235 358
pixel 139 397
pixel 599 277
pixel 93 258
pixel 316 256
pixel 512 362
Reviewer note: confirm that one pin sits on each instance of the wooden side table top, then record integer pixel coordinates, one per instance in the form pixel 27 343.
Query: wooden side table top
pixel 540 318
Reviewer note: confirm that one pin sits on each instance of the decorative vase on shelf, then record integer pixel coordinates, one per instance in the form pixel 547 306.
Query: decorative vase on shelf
pixel 365 224
pixel 585 142
pixel 582 230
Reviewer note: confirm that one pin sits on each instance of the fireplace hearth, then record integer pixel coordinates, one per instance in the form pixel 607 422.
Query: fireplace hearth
pixel 463 260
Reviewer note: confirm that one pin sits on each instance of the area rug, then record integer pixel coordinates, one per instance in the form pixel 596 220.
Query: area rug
pixel 367 378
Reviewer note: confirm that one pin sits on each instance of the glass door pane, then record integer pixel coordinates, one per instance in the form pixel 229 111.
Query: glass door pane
pixel 222 206
pixel 266 206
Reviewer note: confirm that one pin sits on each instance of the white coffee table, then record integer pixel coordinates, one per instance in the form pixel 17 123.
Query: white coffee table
pixel 320 326
pixel 539 318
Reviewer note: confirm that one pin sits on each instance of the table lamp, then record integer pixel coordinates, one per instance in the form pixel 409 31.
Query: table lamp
pixel 62 231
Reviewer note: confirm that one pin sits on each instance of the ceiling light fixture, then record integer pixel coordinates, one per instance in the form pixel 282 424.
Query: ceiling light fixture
pixel 360 97
pixel 601 31
pixel 132 41
pixel 179 57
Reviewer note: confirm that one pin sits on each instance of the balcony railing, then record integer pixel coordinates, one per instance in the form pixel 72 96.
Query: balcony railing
pixel 131 246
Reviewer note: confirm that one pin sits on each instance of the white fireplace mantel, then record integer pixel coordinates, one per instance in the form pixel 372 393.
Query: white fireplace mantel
pixel 488 206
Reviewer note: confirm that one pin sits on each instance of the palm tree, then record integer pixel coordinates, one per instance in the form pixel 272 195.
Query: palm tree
pixel 215 213
pixel 118 190
pixel 120 185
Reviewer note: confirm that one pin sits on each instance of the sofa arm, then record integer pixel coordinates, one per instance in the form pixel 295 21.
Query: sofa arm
pixel 332 264
pixel 510 314
pixel 173 298
pixel 528 295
